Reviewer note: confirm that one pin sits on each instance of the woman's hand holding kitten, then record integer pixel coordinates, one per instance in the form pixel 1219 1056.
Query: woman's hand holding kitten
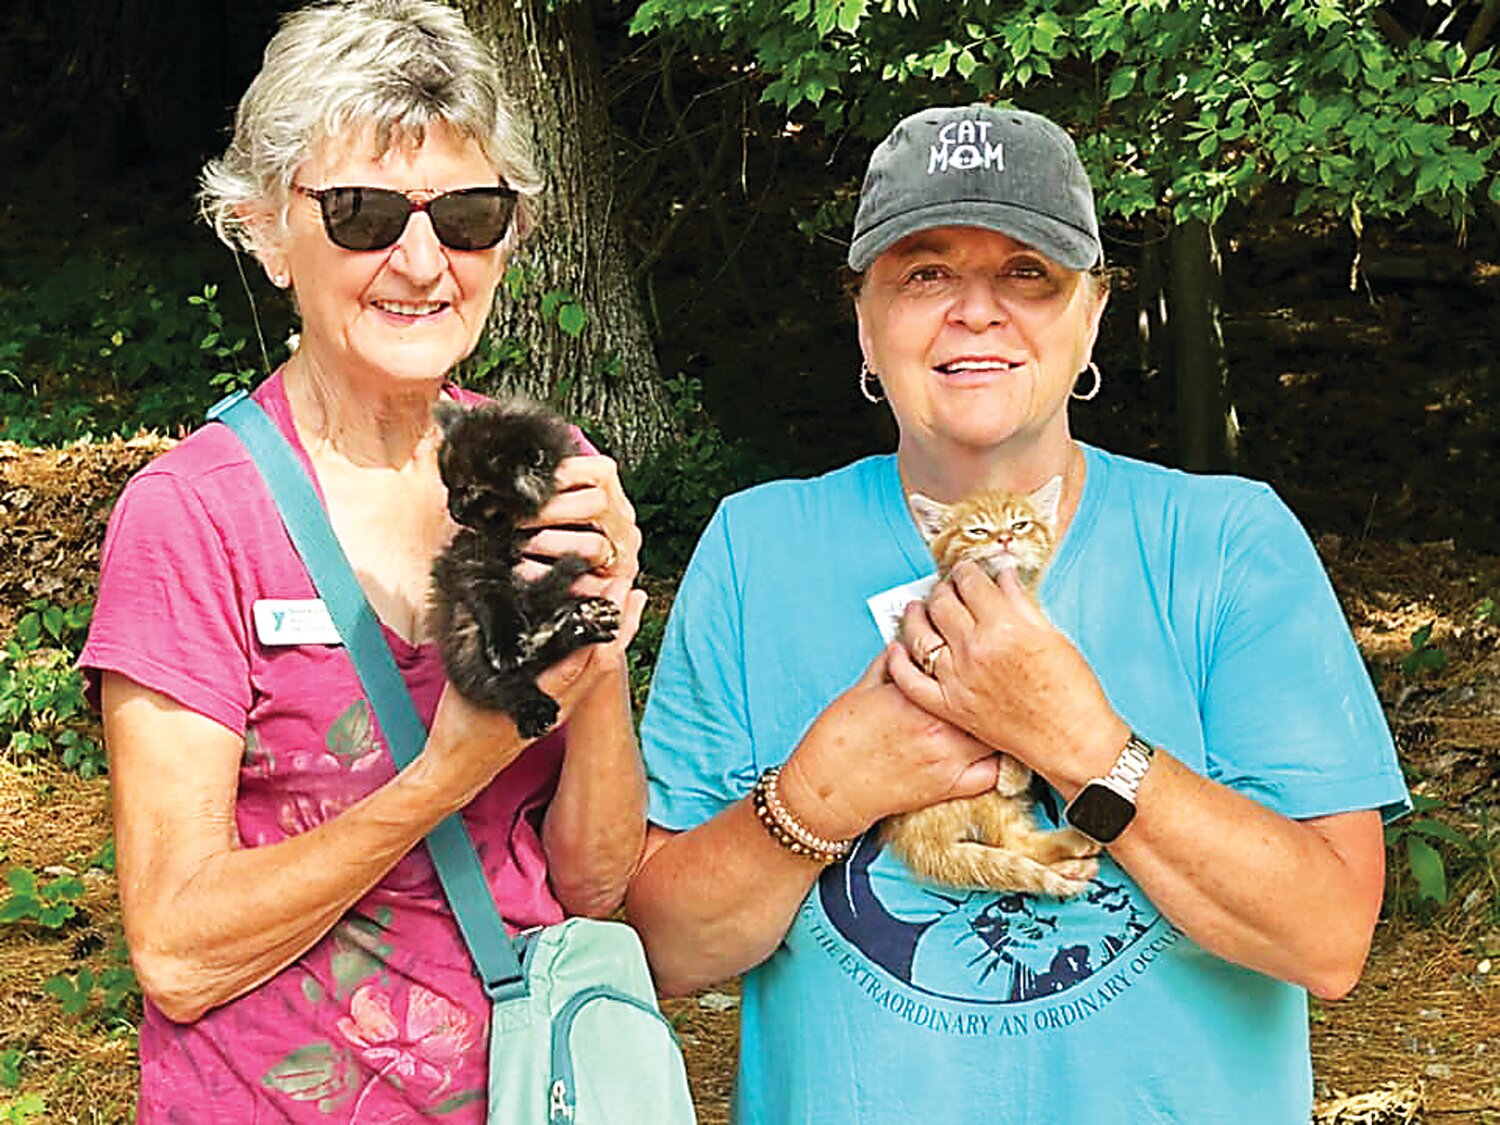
pixel 1009 676
pixel 873 753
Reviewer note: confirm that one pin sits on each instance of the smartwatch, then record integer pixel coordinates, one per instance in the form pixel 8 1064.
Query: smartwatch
pixel 1104 808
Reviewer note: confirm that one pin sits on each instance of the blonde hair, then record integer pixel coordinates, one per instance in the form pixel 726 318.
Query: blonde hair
pixel 334 68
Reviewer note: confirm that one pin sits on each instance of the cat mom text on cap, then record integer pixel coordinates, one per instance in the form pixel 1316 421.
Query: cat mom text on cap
pixel 964 145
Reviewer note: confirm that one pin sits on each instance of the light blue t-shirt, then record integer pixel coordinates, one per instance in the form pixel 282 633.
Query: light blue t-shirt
pixel 1202 608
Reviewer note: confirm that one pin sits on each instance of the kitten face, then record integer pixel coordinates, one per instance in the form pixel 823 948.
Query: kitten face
pixel 498 461
pixel 998 530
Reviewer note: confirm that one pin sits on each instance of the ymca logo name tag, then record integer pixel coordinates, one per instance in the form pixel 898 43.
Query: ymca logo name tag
pixel 886 607
pixel 294 621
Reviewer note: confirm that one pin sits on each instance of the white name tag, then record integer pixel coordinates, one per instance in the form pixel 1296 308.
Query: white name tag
pixel 886 606
pixel 294 622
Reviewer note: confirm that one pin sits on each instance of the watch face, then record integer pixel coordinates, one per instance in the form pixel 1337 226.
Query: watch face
pixel 1100 813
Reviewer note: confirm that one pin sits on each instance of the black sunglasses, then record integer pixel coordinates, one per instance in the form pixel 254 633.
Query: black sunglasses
pixel 368 218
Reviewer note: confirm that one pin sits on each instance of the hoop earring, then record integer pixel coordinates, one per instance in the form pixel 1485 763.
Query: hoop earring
pixel 1092 368
pixel 864 384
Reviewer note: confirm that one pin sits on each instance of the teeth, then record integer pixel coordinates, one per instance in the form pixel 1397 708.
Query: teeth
pixel 410 308
pixel 977 365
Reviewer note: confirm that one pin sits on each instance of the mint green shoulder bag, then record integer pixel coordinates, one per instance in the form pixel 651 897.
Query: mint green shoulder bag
pixel 575 1034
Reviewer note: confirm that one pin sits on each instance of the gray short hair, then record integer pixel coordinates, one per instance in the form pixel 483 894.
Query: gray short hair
pixel 333 67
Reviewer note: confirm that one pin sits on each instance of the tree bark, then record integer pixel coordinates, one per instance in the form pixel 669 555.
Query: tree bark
pixel 1152 338
pixel 1207 430
pixel 606 376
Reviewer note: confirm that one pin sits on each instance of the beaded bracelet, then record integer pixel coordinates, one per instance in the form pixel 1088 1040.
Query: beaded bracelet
pixel 784 827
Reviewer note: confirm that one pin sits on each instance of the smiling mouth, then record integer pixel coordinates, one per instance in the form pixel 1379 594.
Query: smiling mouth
pixel 966 366
pixel 411 308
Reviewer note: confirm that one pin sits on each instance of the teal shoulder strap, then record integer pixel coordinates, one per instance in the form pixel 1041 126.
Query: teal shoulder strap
pixel 449 844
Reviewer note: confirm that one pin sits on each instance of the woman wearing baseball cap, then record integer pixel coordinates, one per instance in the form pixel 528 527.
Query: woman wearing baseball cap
pixel 1183 683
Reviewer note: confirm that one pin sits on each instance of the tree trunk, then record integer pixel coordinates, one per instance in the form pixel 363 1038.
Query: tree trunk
pixel 605 376
pixel 1153 341
pixel 1207 430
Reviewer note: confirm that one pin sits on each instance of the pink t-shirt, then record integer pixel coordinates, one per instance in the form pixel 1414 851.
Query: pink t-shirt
pixel 383 1020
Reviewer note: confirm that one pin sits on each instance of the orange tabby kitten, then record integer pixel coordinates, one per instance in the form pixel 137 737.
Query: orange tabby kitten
pixel 993 841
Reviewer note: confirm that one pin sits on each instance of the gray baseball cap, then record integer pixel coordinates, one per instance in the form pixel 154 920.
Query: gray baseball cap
pixel 978 166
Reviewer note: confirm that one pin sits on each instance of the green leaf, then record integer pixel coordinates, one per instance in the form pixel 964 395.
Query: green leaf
pixel 1427 868
pixel 53 917
pixel 22 880
pixel 571 318
pixel 10 1068
pixel 72 993
pixel 66 889
pixel 1440 831
pixel 850 13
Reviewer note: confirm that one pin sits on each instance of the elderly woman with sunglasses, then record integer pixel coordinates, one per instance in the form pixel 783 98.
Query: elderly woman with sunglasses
pixel 298 957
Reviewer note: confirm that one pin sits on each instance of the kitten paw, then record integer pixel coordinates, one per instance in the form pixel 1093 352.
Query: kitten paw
pixel 535 717
pixel 1063 844
pixel 595 620
pixel 1068 877
pixel 1013 778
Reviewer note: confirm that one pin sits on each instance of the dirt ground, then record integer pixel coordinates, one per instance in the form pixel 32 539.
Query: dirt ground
pixel 1419 1040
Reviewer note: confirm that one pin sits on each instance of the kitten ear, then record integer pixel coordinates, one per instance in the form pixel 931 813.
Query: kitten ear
pixel 1048 499
pixel 446 412
pixel 930 515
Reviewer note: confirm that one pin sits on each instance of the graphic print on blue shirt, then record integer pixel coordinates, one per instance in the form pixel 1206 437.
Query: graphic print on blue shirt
pixel 983 947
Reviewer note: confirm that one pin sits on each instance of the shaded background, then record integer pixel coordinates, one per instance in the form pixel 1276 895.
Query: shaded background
pixel 1366 395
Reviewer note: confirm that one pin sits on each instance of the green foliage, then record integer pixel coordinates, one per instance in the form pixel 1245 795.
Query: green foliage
pixel 645 648
pixel 22 1110
pixel 10 1067
pixel 50 905
pixel 235 372
pixel 99 347
pixel 43 710
pixel 1180 109
pixel 676 490
pixel 495 355
pixel 110 999
pixel 1426 856
pixel 64 627
pixel 563 307
pixel 1423 656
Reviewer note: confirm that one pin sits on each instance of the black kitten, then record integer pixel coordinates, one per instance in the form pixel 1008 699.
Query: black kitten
pixel 498 630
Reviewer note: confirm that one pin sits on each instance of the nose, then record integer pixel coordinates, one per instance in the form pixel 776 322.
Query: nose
pixel 418 253
pixel 977 306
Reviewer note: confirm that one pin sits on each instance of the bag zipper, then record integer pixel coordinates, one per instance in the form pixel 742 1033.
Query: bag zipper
pixel 563 1093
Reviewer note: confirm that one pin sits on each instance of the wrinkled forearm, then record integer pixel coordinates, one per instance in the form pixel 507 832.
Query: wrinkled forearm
pixel 204 936
pixel 595 828
pixel 1296 900
pixel 716 901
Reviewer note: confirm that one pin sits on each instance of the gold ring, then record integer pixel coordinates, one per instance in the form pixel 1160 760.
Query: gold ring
pixel 928 661
pixel 612 554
